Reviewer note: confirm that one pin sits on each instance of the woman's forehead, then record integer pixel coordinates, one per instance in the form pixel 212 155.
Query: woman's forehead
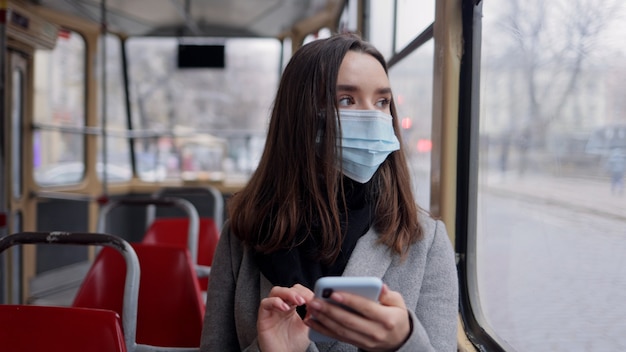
pixel 361 69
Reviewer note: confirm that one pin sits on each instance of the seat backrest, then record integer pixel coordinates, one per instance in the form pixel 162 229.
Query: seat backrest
pixel 173 231
pixel 56 325
pixel 28 328
pixel 208 201
pixel 170 308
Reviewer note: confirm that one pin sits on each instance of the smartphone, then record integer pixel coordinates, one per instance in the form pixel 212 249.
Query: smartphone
pixel 366 286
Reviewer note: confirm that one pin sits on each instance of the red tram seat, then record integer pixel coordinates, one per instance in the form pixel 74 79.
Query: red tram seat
pixel 28 328
pixel 170 309
pixel 173 231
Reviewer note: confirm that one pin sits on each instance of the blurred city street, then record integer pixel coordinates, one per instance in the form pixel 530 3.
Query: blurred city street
pixel 550 260
pixel 589 195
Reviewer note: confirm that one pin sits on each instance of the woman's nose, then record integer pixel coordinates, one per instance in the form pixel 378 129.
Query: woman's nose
pixel 365 106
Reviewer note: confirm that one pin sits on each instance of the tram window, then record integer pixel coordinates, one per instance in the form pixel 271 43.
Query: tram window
pixel 230 105
pixel 412 18
pixel 411 80
pixel 286 46
pixel 550 230
pixel 117 145
pixel 59 102
pixel 321 34
pixel 17 115
pixel 348 21
pixel 379 33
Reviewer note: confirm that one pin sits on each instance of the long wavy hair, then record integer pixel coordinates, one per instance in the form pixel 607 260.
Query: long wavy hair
pixel 298 185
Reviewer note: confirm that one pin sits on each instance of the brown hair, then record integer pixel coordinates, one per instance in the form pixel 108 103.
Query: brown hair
pixel 298 184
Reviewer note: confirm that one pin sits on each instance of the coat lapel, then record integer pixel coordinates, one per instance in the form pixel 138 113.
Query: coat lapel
pixel 369 257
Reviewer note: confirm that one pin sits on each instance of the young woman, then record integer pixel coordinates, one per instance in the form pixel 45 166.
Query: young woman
pixel 331 197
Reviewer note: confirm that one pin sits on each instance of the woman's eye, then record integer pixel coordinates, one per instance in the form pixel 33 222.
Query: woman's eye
pixel 344 101
pixel 383 103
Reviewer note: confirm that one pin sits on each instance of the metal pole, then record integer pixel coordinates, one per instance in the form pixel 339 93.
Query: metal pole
pixel 4 211
pixel 103 78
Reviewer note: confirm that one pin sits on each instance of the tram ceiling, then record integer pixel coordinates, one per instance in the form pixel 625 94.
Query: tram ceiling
pixel 227 18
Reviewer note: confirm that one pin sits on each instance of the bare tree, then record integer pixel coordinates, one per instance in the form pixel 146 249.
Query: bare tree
pixel 549 44
pixel 545 61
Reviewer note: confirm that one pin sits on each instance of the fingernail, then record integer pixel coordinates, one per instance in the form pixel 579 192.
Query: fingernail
pixel 300 300
pixel 315 305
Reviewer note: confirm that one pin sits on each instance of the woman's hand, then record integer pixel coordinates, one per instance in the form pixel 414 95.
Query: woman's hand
pixel 279 326
pixel 377 327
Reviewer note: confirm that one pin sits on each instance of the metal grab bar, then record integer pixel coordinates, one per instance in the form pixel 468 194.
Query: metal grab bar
pixel 131 286
pixel 194 220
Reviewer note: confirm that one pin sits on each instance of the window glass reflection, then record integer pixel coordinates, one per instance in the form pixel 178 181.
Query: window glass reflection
pixel 551 224
pixel 59 102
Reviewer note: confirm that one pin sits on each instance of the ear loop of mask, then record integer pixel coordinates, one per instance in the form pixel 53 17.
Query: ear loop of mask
pixel 321 130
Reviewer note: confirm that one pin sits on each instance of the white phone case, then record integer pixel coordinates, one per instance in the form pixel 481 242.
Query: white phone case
pixel 366 286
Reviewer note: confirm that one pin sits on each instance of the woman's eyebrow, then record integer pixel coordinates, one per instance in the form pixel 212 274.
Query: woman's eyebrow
pixel 352 88
pixel 347 88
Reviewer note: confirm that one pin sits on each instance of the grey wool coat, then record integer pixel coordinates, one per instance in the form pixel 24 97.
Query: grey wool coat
pixel 427 280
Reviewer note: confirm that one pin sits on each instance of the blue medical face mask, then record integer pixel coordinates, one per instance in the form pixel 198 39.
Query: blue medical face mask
pixel 367 138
